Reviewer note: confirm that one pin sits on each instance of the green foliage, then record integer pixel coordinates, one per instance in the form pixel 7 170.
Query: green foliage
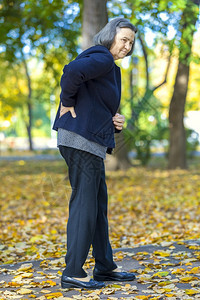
pixel 192 142
pixel 48 32
pixel 31 32
pixel 37 25
pixel 157 17
pixel 146 127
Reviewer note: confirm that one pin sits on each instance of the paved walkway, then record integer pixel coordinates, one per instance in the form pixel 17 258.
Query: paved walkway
pixel 31 157
pixel 169 271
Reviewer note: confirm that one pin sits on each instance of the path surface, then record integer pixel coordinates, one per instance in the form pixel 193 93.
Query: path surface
pixel 169 271
pixel 31 157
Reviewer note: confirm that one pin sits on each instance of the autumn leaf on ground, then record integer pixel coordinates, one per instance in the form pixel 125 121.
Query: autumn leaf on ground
pixel 24 291
pixel 192 292
pixel 25 267
pixel 53 295
pixel 146 207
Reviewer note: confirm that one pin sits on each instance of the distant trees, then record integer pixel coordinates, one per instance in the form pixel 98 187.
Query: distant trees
pixel 177 142
pixel 52 33
pixel 34 29
pixel 162 16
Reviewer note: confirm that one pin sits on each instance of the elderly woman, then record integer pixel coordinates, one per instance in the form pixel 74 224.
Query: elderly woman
pixel 86 121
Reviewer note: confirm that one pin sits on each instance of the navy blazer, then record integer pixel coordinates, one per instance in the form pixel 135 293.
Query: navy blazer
pixel 92 84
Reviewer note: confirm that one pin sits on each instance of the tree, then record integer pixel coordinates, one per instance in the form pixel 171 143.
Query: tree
pixel 177 149
pixel 49 32
pixel 95 18
pixel 161 16
pixel 32 29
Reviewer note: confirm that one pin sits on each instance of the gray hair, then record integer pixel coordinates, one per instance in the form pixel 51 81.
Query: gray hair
pixel 106 35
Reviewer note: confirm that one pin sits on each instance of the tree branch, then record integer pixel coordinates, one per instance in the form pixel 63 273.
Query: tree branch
pixel 146 60
pixel 166 74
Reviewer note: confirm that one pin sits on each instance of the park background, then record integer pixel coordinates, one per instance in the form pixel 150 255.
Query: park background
pixel 160 82
pixel 153 176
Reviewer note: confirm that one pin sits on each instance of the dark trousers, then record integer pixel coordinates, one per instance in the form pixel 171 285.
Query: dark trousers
pixel 87 224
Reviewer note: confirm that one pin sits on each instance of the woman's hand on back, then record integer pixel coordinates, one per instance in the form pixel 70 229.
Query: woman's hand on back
pixel 64 110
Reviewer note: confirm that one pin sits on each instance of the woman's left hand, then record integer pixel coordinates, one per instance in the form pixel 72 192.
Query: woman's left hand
pixel 118 121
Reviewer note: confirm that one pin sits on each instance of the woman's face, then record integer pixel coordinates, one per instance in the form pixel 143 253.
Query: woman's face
pixel 123 43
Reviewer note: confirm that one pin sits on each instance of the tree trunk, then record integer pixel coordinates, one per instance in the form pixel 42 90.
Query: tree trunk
pixel 95 18
pixel 177 147
pixel 121 152
pixel 29 107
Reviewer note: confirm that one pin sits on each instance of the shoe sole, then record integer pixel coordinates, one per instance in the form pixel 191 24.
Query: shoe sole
pixel 67 285
pixel 109 278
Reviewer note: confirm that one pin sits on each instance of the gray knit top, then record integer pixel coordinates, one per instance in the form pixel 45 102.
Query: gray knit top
pixel 74 140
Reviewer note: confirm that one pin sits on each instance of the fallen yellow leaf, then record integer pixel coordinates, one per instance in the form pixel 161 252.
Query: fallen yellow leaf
pixel 142 297
pixel 25 267
pixel 108 291
pixel 162 253
pixel 179 271
pixel 161 274
pixel 48 283
pixel 194 270
pixel 192 292
pixel 24 291
pixel 15 284
pixel 53 295
pixel 27 275
pixel 188 279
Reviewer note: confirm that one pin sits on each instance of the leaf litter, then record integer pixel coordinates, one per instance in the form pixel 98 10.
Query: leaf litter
pixel 156 207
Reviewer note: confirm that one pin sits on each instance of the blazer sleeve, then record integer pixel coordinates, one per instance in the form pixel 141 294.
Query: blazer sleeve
pixel 81 70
